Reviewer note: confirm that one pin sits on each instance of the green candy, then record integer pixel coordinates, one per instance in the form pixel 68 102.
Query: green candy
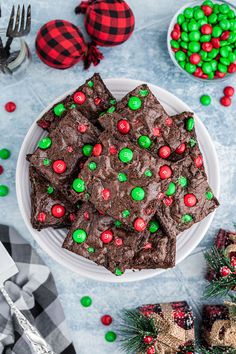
pixel 50 190
pixel 207 68
pixel 78 185
pixel 190 124
pixel 232 57
pixel 180 19
pixel 213 53
pixel 153 226
pixel 87 150
pixel 143 93
pixel 225 25
pixel 188 12
pixel 224 52
pixel 111 109
pixel 194 36
pixel 174 44
pixel 118 272
pixel 198 14
pixel 144 141
pixel 190 68
pixel 86 301
pixel 91 249
pixel 208 3
pixel 111 336
pixel 183 182
pixel 205 100
pixel 211 76
pixel 216 32
pixel 5 154
pixel 194 47
pixel 222 68
pixel 126 155
pixel 203 54
pixel 180 56
pixel 212 19
pixel 214 64
pixel 186 218
pixel 224 8
pixel 138 193
pixel 122 177
pixel 216 8
pixel 73 106
pixel 46 162
pixel 202 22
pixel 59 109
pixel 45 143
pixel 193 26
pixel 184 37
pixel 192 142
pixel 222 17
pixel 171 189
pixel 112 102
pixel 118 224
pixel 232 37
pixel 225 61
pixel 205 38
pixel 79 236
pixel 90 83
pixel 92 166
pixel 209 195
pixel 134 103
pixel 148 173
pixel 182 64
pixel 185 26
pixel 125 213
pixel 231 14
pixel 184 45
pixel 4 190
pixel 232 25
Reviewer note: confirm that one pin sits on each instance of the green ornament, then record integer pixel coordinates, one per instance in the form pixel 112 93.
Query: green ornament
pixel 86 301
pixel 198 14
pixel 192 142
pixel 144 141
pixel 143 93
pixel 171 189
pixel 126 155
pixel 194 36
pixel 188 12
pixel 73 106
pixel 153 226
pixel 186 218
pixel 87 150
pixel 78 185
pixel 118 224
pixel 190 68
pixel 92 166
pixel 90 83
pixel 118 272
pixel 125 213
pixel 180 19
pixel 138 193
pixel 4 190
pixel 91 249
pixel 79 236
pixel 209 195
pixel 205 100
pixel 111 109
pixel 134 103
pixel 5 154
pixel 183 182
pixel 216 32
pixel 46 162
pixel 180 56
pixel 45 143
pixel 50 190
pixel 59 109
pixel 122 177
pixel 113 102
pixel 148 173
pixel 190 124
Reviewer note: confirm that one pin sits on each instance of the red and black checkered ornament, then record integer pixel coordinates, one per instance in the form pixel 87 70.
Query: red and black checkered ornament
pixel 108 22
pixel 60 44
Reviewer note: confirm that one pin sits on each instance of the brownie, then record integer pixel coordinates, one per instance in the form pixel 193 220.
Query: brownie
pixel 91 99
pixel 108 244
pixel 48 207
pixel 58 155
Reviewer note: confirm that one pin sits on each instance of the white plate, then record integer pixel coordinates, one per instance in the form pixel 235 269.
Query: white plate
pixel 51 240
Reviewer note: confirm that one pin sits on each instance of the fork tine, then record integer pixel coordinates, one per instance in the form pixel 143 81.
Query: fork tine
pixel 22 23
pixel 11 22
pixel 0 12
pixel 28 20
pixel 17 19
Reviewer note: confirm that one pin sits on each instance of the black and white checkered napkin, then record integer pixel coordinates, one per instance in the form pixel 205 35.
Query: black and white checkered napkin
pixel 34 292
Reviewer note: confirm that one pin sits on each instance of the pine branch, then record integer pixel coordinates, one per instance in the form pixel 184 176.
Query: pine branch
pixel 216 350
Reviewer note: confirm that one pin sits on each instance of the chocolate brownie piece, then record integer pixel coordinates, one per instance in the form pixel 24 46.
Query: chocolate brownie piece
pixel 48 207
pixel 103 240
pixel 91 99
pixel 58 155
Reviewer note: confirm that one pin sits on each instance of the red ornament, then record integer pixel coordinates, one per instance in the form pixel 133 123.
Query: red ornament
pixel 225 35
pixel 113 150
pixel 10 107
pixel 231 68
pixel 86 215
pixel 190 200
pixel 225 101
pixel 72 217
pixel 106 193
pixel 59 166
pixel 106 236
pixel 215 42
pixel 225 271
pixel 106 320
pixel 79 97
pixel 165 172
pixel 198 161
pixel 118 241
pixel 207 10
pixel 58 211
pixel 148 339
pixel 233 261
pixel 82 128
pixel 41 217
pixel 139 224
pixel 1 170
pixel 229 91
pixel 195 58
pixel 157 131
pixel 175 35
pixel 207 46
pixel 169 122
pixel 206 29
pixel 168 201
pixel 181 149
pixel 123 126
pixel 164 152
pixel 97 149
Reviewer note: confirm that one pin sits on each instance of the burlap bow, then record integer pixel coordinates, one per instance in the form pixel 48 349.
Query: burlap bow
pixel 231 249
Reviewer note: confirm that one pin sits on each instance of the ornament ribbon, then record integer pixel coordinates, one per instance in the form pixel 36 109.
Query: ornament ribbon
pixel 82 8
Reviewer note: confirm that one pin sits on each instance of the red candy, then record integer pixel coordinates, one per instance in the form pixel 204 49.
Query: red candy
pixel 72 217
pixel 151 350
pixel 113 150
pixel 148 246
pixel 165 172
pixel 59 166
pixel 168 201
pixel 164 152
pixel 106 193
pixel 198 161
pixel 177 27
pixel 97 149
pixel 10 107
pixel 195 58
pixel 225 35
pixel 207 10
pixel 70 149
pixel 225 101
pixel 148 339
pixel 1 170
pixel 82 128
pixel 207 46
pixel 58 211
pixel 106 236
pixel 79 97
pixel 86 215
pixel 206 29
pixel 106 320
pixel 118 241
pixel 215 42
pixel 220 75
pixel 139 224
pixel 41 217
pixel 198 72
pixel 232 68
pixel 123 126
pixel 97 101
pixel 225 271
pixel 229 91
pixel 181 149
pixel 157 131
pixel 175 35
pixel 190 200
pixel 169 121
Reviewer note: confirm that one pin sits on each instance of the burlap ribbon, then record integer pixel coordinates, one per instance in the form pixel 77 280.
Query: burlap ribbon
pixel 231 249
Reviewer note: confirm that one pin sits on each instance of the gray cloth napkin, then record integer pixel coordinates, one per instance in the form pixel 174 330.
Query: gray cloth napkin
pixel 34 292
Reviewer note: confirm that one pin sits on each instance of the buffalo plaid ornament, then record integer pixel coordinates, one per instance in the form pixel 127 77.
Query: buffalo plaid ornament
pixel 60 44
pixel 108 22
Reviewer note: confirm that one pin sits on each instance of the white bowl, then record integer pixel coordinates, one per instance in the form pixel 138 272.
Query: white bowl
pixel 51 240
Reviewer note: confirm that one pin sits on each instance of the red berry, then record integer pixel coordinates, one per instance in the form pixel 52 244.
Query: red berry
pixel 10 107
pixel 206 29
pixel 1 170
pixel 225 271
pixel 175 35
pixel 58 211
pixel 148 246
pixel 231 68
pixel 106 320
pixel 225 101
pixel 123 126
pixel 41 217
pixel 113 150
pixel 97 149
pixel 164 152
pixel 225 35
pixel 233 261
pixel 198 161
pixel 181 149
pixel 220 75
pixel 195 58
pixel 168 201
pixel 148 339
pixel 86 215
pixel 169 121
pixel 190 200
pixel 207 46
pixel 139 224
pixel 207 10
pixel 157 131
pixel 82 128
pixel 59 166
pixel 106 236
pixel 79 97
pixel 106 193
pixel 151 350
pixel 165 172
pixel 177 27
pixel 118 241
pixel 229 91
pixel 97 101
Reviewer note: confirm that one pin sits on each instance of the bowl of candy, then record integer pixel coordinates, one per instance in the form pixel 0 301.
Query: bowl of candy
pixel 202 40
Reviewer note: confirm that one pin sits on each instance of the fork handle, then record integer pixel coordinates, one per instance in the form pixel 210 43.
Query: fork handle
pixel 37 342
pixel 8 45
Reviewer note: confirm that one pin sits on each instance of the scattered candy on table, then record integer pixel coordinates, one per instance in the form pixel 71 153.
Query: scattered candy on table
pixel 1 170
pixel 205 100
pixel 5 154
pixel 229 91
pixel 110 336
pixel 4 190
pixel 225 101
pixel 106 320
pixel 10 107
pixel 86 301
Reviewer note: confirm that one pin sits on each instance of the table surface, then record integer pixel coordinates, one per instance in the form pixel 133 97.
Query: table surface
pixel 143 57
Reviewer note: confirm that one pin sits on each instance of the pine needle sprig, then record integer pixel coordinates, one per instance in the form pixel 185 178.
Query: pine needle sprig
pixel 216 350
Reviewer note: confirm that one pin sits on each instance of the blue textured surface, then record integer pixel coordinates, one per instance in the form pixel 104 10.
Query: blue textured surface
pixel 143 57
